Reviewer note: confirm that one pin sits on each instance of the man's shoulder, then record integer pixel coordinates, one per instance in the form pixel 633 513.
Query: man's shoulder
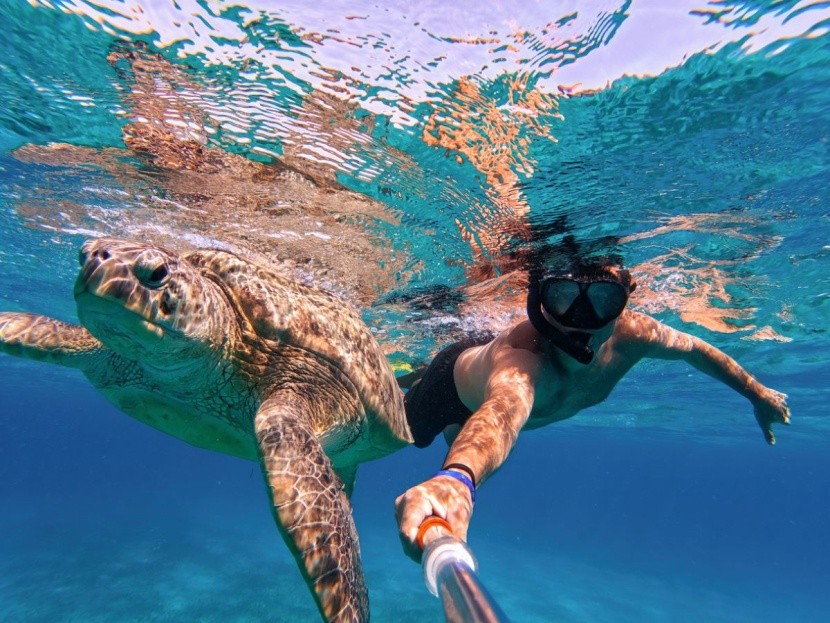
pixel 635 321
pixel 514 348
pixel 644 333
pixel 521 335
pixel 519 340
pixel 636 328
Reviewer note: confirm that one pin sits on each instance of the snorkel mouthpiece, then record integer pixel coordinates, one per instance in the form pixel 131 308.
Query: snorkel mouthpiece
pixel 570 345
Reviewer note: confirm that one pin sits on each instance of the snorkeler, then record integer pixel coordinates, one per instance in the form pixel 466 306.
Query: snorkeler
pixel 578 342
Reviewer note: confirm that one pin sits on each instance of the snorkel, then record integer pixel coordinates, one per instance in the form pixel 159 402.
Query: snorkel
pixel 567 307
pixel 571 345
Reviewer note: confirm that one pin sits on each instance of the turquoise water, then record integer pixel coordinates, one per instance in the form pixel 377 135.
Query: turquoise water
pixel 431 146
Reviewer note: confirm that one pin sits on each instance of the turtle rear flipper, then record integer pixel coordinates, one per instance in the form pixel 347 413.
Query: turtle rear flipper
pixel 312 509
pixel 46 339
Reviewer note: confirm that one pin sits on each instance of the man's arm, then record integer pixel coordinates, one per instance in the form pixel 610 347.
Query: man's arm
pixel 482 445
pixel 490 433
pixel 663 342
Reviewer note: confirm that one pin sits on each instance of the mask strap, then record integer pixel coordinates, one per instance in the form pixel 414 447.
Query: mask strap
pixel 583 353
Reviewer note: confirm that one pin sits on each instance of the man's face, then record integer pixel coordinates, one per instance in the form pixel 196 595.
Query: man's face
pixel 587 301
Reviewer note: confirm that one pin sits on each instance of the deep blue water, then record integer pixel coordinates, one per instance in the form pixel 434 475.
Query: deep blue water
pixel 696 148
pixel 108 520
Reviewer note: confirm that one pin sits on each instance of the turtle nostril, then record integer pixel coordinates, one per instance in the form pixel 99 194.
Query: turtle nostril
pixel 92 252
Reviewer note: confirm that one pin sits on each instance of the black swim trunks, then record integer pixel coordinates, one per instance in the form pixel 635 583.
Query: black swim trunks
pixel 432 403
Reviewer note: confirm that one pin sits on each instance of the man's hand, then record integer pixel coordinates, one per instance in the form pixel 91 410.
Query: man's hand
pixel 442 496
pixel 771 408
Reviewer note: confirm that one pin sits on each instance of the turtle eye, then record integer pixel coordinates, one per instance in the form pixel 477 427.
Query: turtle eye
pixel 158 275
pixel 152 276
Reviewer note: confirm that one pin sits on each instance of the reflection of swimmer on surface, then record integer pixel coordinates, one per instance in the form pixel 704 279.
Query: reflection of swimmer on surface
pixel 576 344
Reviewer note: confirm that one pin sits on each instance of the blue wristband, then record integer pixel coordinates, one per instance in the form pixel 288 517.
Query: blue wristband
pixel 461 478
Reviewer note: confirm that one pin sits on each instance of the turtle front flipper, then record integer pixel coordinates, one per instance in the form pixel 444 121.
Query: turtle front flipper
pixel 46 339
pixel 312 509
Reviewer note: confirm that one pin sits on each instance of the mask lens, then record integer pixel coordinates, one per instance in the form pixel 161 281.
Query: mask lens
pixel 608 299
pixel 558 295
pixel 583 304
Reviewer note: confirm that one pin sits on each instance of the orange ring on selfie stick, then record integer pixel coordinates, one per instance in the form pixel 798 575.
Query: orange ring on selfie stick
pixel 431 522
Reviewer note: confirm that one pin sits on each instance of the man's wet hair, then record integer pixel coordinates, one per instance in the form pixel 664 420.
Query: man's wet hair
pixel 568 256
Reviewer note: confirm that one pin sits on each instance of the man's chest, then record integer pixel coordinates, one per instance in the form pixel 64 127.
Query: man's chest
pixel 560 392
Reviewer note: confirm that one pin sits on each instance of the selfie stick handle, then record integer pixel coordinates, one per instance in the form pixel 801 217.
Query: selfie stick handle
pixel 450 572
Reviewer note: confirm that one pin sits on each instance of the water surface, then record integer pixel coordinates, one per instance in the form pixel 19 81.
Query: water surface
pixel 408 157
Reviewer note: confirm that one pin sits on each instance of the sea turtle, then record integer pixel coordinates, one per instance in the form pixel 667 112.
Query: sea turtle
pixel 230 356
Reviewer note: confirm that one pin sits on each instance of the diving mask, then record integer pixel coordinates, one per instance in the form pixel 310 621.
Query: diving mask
pixel 578 304
pixel 582 303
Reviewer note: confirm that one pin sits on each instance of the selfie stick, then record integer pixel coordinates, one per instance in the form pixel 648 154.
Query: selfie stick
pixel 450 573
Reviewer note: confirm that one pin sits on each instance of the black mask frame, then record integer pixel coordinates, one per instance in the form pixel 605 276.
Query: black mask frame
pixel 595 303
pixel 573 343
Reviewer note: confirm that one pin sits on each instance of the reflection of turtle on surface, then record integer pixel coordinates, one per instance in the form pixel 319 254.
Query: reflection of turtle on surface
pixel 228 356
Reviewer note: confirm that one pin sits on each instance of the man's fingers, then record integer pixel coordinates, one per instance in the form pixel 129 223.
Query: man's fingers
pixel 409 549
pixel 411 509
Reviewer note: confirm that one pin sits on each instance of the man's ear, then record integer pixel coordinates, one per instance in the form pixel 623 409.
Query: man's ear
pixel 628 280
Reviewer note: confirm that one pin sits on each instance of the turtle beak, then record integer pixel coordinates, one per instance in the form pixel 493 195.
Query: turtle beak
pixel 91 259
pixel 100 269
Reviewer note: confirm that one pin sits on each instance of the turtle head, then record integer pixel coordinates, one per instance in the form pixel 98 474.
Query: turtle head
pixel 147 303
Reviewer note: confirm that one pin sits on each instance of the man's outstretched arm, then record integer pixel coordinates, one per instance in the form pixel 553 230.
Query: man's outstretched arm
pixel 663 342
